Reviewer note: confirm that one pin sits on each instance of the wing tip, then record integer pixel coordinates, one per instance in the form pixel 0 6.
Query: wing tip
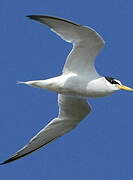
pixel 6 161
pixel 38 18
pixel 11 159
pixel 2 163
pixel 35 17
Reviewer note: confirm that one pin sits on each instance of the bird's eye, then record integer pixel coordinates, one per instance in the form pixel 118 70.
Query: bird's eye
pixel 117 82
pixel 113 80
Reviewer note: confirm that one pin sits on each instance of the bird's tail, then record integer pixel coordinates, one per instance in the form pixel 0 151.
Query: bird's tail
pixel 20 82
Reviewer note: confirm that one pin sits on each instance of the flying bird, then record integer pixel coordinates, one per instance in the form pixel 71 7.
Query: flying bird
pixel 78 81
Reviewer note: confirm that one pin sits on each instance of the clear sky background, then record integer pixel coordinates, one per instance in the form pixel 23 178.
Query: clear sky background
pixel 101 147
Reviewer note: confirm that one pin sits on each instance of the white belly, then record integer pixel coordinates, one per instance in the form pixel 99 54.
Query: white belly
pixel 71 84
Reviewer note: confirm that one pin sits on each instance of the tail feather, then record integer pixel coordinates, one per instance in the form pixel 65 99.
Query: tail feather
pixel 20 82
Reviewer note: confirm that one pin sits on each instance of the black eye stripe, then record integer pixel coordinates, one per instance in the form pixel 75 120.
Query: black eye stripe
pixel 111 80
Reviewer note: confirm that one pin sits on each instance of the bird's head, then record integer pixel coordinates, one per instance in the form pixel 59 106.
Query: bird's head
pixel 117 85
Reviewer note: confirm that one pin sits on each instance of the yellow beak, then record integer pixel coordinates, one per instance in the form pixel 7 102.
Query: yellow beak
pixel 122 87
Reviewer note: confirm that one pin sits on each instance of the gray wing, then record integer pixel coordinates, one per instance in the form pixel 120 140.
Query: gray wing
pixel 71 111
pixel 86 43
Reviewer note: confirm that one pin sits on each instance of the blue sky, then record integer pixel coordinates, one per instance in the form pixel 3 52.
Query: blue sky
pixel 101 147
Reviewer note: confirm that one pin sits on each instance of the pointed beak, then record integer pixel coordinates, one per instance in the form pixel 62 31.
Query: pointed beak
pixel 122 87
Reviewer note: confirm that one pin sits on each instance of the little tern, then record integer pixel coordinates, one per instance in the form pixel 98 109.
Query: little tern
pixel 79 80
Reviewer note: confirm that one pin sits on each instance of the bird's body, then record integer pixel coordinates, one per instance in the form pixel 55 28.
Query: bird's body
pixel 65 84
pixel 79 80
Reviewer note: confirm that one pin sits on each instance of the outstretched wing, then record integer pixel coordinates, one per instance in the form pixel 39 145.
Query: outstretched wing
pixel 86 44
pixel 71 111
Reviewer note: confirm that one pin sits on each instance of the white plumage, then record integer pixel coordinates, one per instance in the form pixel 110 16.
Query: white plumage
pixel 78 81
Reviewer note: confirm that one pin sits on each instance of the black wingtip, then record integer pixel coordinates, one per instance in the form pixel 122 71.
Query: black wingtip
pixel 4 162
pixel 30 16
pixel 13 158
pixel 35 17
pixel 7 161
pixel 40 17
